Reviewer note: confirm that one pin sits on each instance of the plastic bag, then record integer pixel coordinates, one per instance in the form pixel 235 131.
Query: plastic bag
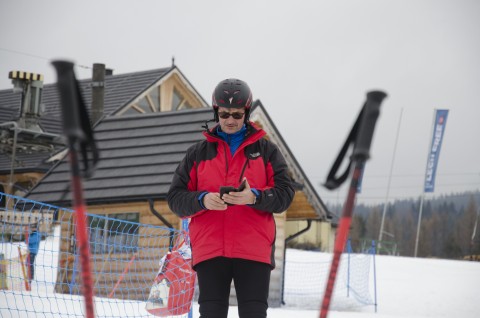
pixel 173 288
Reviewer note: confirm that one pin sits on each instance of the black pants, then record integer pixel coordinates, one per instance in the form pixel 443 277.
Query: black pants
pixel 251 280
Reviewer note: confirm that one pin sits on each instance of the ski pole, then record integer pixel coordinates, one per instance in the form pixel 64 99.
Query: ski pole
pixel 361 137
pixel 27 240
pixel 78 136
pixel 125 271
pixel 24 265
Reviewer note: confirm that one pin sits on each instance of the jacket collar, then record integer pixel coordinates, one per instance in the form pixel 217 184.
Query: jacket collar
pixel 253 133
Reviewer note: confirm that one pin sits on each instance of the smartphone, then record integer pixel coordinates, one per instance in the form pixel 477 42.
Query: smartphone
pixel 228 189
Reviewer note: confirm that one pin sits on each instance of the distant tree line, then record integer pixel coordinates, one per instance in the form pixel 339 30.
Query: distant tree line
pixel 446 228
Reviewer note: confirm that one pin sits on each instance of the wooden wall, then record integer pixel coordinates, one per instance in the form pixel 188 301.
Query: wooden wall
pixel 136 285
pixel 301 209
pixel 320 233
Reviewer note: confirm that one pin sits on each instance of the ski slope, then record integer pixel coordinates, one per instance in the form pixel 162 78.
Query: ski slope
pixel 406 287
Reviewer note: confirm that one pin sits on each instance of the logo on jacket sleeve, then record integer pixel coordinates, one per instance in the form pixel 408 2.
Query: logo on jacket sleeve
pixel 254 155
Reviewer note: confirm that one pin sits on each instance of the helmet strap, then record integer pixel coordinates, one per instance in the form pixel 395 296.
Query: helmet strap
pixel 206 124
pixel 247 115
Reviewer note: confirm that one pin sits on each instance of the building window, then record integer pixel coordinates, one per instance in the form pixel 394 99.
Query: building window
pixel 179 102
pixel 155 98
pixel 150 103
pixel 114 233
pixel 144 105
pixel 131 111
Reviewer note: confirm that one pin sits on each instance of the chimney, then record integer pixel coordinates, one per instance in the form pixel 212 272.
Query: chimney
pixel 31 86
pixel 98 92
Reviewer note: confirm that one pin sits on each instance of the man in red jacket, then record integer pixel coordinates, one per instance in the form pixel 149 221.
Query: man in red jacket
pixel 232 236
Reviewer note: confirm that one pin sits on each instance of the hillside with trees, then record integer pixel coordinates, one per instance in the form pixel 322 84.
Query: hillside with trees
pixel 446 229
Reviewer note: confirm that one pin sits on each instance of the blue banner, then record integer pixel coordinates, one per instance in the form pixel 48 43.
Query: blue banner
pixel 432 161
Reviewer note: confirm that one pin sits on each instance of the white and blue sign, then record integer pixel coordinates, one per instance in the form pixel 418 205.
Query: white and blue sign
pixel 432 161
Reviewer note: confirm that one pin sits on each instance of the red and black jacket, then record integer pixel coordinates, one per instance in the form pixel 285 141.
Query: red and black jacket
pixel 240 231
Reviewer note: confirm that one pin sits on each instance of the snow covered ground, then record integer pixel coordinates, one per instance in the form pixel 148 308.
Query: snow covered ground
pixel 406 287
pixel 415 288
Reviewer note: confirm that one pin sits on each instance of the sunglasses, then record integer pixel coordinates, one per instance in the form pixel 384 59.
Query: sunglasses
pixel 235 115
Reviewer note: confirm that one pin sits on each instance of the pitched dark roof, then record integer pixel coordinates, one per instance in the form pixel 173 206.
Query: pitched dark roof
pixel 24 163
pixel 138 155
pixel 119 90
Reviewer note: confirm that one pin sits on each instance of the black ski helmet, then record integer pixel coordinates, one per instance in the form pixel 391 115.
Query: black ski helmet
pixel 232 93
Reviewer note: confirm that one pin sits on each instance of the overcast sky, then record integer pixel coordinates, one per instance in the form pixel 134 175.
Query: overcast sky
pixel 309 62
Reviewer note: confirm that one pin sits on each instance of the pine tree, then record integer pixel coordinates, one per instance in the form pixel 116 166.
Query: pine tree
pixel 373 224
pixel 357 231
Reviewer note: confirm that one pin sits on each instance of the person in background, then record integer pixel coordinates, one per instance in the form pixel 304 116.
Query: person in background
pixel 233 236
pixel 33 245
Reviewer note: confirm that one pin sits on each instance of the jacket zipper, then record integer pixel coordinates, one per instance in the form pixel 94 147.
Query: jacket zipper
pixel 226 160
pixel 226 157
pixel 243 169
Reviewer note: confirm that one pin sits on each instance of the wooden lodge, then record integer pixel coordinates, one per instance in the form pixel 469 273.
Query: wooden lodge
pixel 149 120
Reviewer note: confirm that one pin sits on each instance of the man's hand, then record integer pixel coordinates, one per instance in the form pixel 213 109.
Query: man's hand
pixel 212 201
pixel 240 198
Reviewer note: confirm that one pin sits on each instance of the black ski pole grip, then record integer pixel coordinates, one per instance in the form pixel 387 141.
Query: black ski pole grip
pixel 371 111
pixel 67 87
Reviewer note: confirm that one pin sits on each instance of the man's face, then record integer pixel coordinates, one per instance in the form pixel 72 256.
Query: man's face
pixel 231 125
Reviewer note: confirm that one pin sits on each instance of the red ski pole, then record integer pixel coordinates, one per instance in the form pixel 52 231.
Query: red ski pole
pixel 77 129
pixel 361 138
